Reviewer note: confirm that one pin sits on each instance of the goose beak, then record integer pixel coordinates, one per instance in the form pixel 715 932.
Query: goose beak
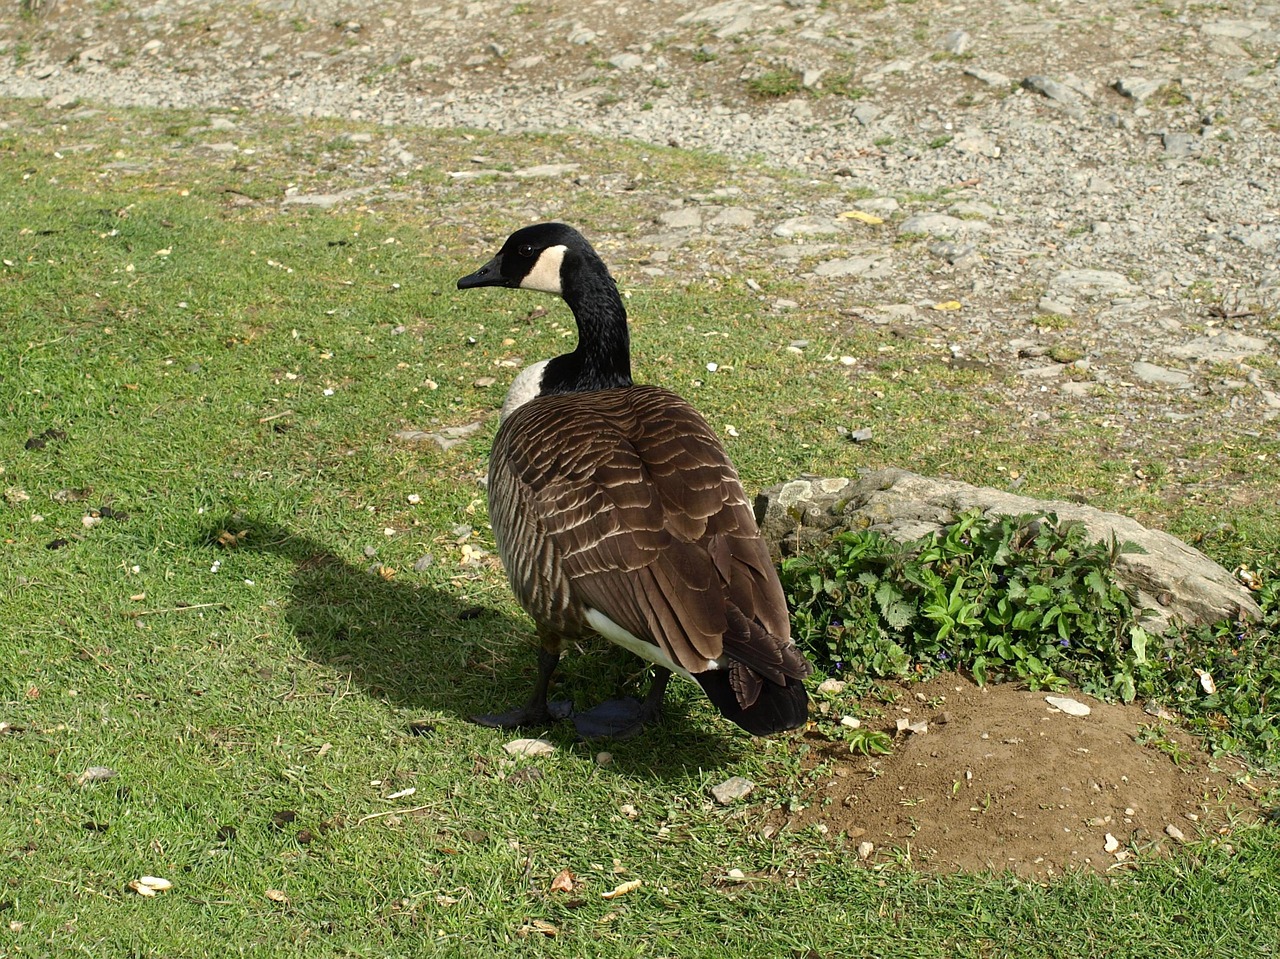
pixel 488 275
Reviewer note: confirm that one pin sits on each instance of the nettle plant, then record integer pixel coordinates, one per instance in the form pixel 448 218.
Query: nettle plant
pixel 1025 597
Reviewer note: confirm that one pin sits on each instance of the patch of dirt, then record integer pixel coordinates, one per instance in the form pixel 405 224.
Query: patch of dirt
pixel 1001 780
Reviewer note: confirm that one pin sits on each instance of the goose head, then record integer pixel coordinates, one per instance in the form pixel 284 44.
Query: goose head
pixel 557 259
pixel 535 258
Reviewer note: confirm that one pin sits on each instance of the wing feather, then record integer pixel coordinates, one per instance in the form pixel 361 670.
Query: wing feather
pixel 625 501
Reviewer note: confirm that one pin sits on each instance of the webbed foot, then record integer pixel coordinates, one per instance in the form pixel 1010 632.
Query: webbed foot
pixel 615 719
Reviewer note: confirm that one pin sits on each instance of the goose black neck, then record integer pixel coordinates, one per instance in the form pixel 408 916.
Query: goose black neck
pixel 602 359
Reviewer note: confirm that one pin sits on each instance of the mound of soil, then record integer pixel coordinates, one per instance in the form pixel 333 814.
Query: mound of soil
pixel 1001 780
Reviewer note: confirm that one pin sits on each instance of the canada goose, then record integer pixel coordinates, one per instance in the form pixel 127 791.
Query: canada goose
pixel 616 511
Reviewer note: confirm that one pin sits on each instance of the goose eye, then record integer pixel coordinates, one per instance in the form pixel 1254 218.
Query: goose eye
pixel 525 250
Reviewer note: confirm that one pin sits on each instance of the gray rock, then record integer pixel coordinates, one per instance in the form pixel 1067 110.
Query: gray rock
pixel 1220 348
pixel 1180 144
pixel 933 224
pixel 325 201
pixel 809 226
pixel 1053 89
pixel 976 144
pixel 732 789
pixel 1155 375
pixel 546 170
pixel 872 267
pixel 1264 239
pixel 1170 579
pixel 685 218
pixel 957 42
pixel 992 78
pixel 1234 29
pixel 877 204
pixel 625 61
pixel 1055 306
pixel 867 113
pixel 1091 283
pixel 736 217
pixel 951 251
pixel 1137 88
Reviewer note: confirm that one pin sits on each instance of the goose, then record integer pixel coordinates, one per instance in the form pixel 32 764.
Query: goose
pixel 616 511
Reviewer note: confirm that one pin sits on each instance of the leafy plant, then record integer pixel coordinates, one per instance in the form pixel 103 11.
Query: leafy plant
pixel 1032 599
pixel 1027 598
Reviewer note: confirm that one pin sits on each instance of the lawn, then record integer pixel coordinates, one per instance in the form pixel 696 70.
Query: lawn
pixel 245 613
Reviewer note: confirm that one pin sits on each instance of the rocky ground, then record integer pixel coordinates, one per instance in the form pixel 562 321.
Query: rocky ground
pixel 1082 195
pixel 1094 186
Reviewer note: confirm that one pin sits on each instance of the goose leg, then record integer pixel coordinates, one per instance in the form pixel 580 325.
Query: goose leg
pixel 624 718
pixel 535 711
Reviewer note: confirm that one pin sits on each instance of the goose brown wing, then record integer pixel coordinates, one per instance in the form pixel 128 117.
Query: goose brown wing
pixel 631 498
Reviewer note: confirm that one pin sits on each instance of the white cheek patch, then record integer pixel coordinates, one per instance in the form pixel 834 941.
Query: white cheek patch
pixel 611 631
pixel 545 275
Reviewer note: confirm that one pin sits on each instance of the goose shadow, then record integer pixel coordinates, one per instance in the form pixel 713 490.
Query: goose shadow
pixel 428 652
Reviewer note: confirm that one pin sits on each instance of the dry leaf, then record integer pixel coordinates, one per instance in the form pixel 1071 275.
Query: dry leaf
pixel 276 895
pixel 148 886
pixel 529 747
pixel 539 927
pixel 868 218
pixel 947 305
pixel 1206 681
pixel 631 885
pixel 563 882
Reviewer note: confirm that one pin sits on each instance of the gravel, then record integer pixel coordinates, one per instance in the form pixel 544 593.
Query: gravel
pixel 1096 174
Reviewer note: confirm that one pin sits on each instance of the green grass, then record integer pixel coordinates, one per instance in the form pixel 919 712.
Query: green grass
pixel 202 360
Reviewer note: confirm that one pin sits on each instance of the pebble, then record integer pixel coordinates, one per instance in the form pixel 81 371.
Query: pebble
pixel 732 789
pixel 1155 375
pixel 1067 705
pixel 872 267
pixel 1137 88
pixel 957 42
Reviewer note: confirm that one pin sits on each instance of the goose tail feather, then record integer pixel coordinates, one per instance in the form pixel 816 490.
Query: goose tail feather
pixel 776 707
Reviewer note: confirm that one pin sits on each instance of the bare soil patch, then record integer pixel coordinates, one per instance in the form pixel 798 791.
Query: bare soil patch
pixel 1003 781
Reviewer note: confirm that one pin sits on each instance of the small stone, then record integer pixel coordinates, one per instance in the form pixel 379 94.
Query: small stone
pixel 96 774
pixel 1180 144
pixel 737 875
pixel 867 113
pixel 865 849
pixel 872 267
pixel 1136 88
pixel 625 61
pixel 685 218
pixel 831 687
pixel 1174 833
pixel 809 226
pixel 1111 844
pixel 932 224
pixel 862 435
pixel 851 722
pixel 734 216
pixel 1051 89
pixel 957 42
pixel 1069 706
pixel 546 170
pixel 529 747
pixel 991 78
pixel 1159 376
pixel 604 758
pixel 732 789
